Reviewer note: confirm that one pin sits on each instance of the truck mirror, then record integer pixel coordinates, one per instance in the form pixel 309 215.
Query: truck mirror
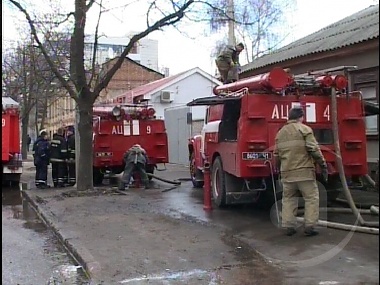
pixel 189 118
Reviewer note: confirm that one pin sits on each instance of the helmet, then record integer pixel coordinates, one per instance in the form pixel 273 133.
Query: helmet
pixel 43 132
pixel 70 129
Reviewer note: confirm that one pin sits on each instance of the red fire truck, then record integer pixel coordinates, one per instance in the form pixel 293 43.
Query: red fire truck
pixel 116 128
pixel 242 120
pixel 10 135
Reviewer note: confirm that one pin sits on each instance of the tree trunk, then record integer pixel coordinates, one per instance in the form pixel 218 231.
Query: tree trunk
pixel 36 118
pixel 43 117
pixel 24 136
pixel 84 149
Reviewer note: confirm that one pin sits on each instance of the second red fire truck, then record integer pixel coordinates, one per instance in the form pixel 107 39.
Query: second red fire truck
pixel 117 127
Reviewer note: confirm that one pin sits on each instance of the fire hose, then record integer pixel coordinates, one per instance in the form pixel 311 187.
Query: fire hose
pixel 370 180
pixel 174 182
pixel 364 226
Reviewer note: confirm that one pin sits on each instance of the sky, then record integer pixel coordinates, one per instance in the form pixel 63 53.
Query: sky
pixel 182 51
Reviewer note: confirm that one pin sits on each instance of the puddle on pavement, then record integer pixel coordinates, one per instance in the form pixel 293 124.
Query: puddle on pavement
pixel 65 270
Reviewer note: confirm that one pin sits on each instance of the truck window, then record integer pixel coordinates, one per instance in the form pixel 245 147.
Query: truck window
pixel 206 117
pixel 324 136
pixel 229 123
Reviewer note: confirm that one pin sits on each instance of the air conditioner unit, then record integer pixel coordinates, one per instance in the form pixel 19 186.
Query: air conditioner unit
pixel 167 96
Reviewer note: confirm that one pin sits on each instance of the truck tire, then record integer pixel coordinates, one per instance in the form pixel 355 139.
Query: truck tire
pixel 218 183
pixel 195 173
pixel 97 177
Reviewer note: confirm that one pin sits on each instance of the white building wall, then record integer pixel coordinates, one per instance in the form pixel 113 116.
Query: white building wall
pixel 110 47
pixel 184 91
pixel 148 50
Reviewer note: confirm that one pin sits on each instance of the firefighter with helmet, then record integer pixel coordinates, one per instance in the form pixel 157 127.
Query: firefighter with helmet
pixel 296 150
pixel 71 156
pixel 41 155
pixel 58 158
pixel 135 160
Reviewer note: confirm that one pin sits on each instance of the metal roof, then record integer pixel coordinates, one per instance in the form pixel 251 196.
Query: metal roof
pixel 213 100
pixel 359 27
pixel 157 85
pixel 147 88
pixel 8 102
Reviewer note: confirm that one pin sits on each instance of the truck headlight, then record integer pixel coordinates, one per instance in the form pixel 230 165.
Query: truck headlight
pixel 116 111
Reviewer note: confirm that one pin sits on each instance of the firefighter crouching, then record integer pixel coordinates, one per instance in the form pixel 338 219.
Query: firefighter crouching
pixel 58 158
pixel 71 156
pixel 295 151
pixel 41 155
pixel 135 160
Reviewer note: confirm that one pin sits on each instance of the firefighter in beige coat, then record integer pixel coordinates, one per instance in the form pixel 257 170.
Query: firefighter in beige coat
pixel 227 63
pixel 296 152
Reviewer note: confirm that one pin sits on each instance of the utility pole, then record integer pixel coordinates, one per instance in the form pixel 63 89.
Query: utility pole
pixel 231 22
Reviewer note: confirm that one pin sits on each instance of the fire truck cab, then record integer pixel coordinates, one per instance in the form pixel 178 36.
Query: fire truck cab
pixel 242 121
pixel 116 128
pixel 11 157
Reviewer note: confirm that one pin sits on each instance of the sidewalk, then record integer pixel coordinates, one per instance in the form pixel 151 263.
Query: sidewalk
pixel 164 237
pixel 128 239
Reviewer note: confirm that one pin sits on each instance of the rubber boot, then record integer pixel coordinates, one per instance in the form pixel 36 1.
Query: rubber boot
pixel 121 186
pixel 290 231
pixel 310 231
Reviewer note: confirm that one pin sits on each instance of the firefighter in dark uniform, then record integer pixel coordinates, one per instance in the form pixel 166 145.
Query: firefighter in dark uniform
pixel 296 152
pixel 41 155
pixel 135 160
pixel 71 156
pixel 58 158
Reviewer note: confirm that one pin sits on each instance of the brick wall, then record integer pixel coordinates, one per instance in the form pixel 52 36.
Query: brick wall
pixel 129 76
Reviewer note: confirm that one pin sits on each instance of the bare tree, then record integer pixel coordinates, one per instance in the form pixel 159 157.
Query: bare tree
pixel 28 79
pixel 16 83
pixel 254 21
pixel 84 86
pixel 77 84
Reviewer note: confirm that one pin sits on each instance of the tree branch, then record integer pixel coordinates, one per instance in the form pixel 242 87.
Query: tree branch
pixel 77 68
pixel 43 50
pixel 89 5
pixel 165 21
pixel 93 71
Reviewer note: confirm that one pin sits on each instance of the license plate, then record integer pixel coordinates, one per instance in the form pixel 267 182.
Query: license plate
pixel 256 155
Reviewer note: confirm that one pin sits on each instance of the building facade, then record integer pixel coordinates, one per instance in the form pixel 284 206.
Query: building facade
pixel 145 51
pixel 130 76
pixel 61 111
pixel 169 96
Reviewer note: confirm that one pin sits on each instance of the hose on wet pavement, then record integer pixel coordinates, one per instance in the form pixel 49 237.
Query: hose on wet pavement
pixel 174 182
pixel 370 180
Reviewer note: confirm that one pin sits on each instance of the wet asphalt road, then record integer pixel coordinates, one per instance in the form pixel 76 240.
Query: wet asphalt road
pixel 31 253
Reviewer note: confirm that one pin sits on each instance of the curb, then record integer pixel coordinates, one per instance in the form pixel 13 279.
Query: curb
pixel 79 253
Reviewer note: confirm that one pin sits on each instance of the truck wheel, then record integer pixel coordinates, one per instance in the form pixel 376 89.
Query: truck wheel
pixel 195 173
pixel 97 177
pixel 218 183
